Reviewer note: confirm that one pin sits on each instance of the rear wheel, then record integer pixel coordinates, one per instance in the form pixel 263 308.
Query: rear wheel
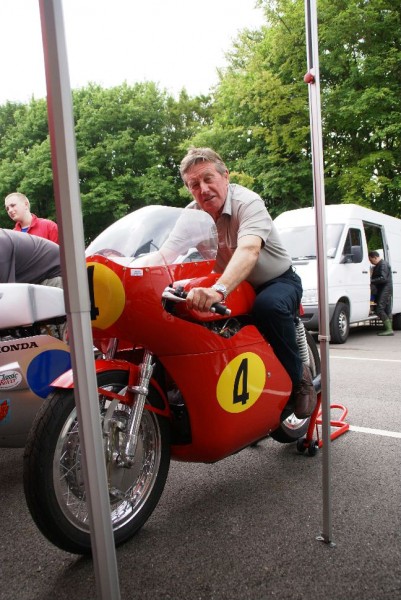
pixel 291 428
pixel 53 479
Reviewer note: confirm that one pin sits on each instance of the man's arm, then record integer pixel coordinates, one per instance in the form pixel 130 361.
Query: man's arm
pixel 240 266
pixel 383 274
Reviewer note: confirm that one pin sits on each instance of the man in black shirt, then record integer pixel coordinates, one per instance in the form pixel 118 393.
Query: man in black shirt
pixel 29 259
pixel 382 280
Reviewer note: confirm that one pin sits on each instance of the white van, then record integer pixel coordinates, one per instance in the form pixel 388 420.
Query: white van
pixel 351 232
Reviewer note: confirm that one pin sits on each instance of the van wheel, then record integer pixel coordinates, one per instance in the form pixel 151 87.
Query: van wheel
pixel 397 322
pixel 339 324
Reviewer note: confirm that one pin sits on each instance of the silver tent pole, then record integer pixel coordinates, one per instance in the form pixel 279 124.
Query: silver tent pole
pixel 313 79
pixel 76 293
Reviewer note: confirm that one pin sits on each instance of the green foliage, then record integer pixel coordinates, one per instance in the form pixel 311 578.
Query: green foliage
pixel 25 164
pixel 361 78
pixel 128 148
pixel 261 113
pixel 261 119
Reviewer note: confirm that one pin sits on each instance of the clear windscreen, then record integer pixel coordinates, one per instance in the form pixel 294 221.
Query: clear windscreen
pixel 158 235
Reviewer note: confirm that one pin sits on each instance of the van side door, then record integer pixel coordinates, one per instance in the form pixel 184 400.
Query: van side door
pixel 356 274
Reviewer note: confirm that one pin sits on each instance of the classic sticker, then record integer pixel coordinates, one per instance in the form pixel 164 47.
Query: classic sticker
pixel 10 379
pixel 241 383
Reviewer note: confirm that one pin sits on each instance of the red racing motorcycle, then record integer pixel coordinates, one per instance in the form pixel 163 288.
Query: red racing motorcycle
pixel 173 383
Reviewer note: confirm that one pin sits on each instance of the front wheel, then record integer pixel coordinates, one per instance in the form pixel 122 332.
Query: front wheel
pixel 53 480
pixel 291 428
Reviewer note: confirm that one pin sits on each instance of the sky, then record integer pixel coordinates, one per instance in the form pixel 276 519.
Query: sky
pixel 175 43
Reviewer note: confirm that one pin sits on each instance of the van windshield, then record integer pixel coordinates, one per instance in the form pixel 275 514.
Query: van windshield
pixel 300 241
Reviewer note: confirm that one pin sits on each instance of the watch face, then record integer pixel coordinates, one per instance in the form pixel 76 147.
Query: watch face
pixel 219 287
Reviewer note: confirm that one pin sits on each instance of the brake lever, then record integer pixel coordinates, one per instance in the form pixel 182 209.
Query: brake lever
pixel 168 294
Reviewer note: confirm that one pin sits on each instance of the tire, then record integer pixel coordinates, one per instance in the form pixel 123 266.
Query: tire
pixel 53 481
pixel 339 324
pixel 291 428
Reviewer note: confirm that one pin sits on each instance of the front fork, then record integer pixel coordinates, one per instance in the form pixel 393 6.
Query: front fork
pixel 114 429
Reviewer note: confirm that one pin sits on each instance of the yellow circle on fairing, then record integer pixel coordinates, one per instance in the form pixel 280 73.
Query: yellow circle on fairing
pixel 107 295
pixel 241 383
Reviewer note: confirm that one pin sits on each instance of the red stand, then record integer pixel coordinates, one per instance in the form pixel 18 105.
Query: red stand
pixel 339 425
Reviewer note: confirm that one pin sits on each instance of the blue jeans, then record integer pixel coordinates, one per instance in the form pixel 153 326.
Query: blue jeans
pixel 274 310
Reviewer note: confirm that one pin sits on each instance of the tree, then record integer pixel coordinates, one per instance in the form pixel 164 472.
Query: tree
pixel 130 140
pixel 261 113
pixel 25 164
pixel 128 148
pixel 361 74
pixel 119 142
pixel 261 120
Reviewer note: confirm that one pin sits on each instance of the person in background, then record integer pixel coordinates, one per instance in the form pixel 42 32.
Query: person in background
pixel 249 248
pixel 29 259
pixel 18 209
pixel 382 284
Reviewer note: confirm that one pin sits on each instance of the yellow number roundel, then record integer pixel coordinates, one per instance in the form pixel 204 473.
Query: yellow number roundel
pixel 107 295
pixel 241 382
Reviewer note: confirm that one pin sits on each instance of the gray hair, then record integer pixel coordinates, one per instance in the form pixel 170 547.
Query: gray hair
pixel 197 155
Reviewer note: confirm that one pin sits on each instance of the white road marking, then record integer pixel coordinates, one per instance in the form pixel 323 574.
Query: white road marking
pixel 393 434
pixel 366 359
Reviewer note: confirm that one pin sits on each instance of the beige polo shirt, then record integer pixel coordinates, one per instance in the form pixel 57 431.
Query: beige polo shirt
pixel 245 213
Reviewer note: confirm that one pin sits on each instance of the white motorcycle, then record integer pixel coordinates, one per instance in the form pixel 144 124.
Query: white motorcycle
pixel 33 352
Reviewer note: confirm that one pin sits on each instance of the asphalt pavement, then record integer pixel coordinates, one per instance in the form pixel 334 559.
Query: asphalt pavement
pixel 246 528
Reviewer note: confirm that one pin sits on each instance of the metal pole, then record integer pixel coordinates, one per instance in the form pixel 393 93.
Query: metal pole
pixel 72 250
pixel 313 79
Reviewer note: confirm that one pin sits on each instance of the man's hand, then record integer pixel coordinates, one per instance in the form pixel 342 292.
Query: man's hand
pixel 202 299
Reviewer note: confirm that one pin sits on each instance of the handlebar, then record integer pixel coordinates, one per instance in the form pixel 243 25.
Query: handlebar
pixel 178 295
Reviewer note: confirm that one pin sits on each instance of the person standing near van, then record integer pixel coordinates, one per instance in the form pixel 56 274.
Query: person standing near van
pixel 382 281
pixel 18 209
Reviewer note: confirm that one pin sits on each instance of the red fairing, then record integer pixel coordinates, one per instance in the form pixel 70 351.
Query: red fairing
pixel 198 360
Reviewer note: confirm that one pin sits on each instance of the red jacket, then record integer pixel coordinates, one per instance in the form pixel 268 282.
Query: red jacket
pixel 42 228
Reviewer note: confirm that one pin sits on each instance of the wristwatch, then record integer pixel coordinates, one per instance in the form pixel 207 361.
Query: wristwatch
pixel 219 287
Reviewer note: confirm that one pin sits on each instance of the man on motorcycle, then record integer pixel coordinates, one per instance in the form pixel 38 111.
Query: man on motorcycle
pixel 249 248
pixel 29 259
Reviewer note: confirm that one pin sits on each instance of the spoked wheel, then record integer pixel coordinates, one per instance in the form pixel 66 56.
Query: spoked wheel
pixel 53 478
pixel 291 428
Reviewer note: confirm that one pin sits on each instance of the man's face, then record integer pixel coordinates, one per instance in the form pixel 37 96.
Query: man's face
pixel 16 208
pixel 207 186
